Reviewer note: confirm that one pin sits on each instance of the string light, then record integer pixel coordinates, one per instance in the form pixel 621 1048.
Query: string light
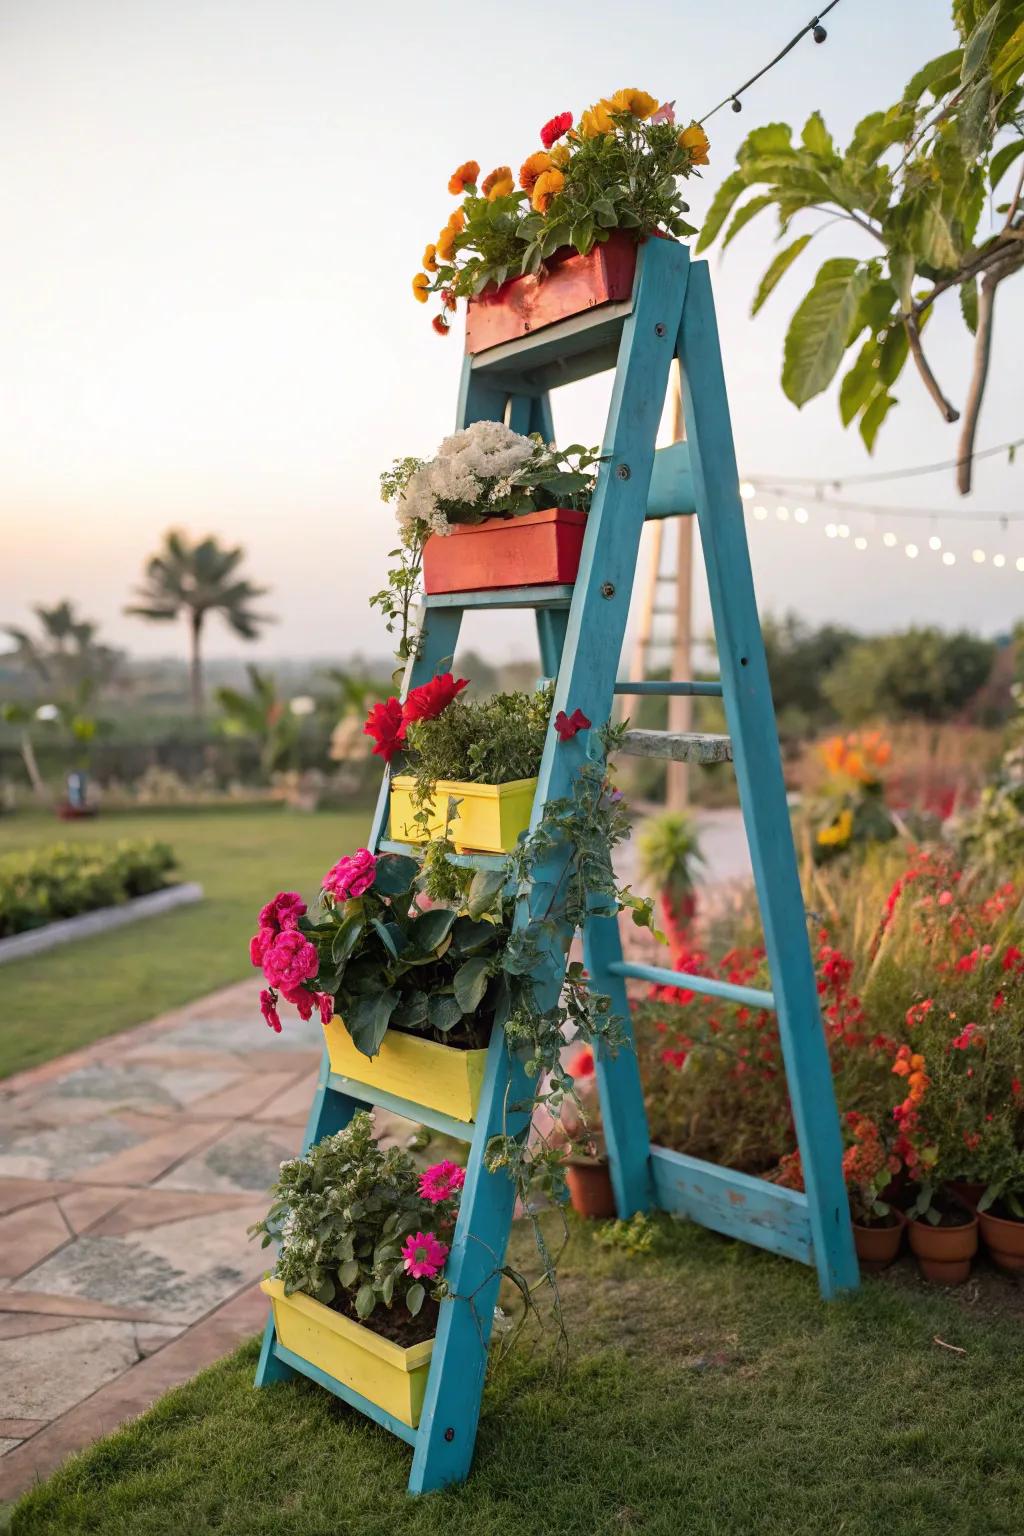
pixel 835 481
pixel 860 542
pixel 911 551
pixel 999 561
pixel 800 515
pixel 1020 562
pixel 831 530
pixel 934 542
pixel 978 556
pixel 760 513
pixel 889 540
pixel 747 490
pixel 817 31
pixel 843 531
pixel 782 513
pixel 949 558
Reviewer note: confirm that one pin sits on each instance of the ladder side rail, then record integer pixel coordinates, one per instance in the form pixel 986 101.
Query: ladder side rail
pixel 748 704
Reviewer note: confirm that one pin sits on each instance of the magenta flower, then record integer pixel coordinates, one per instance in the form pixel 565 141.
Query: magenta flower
pixel 441 1182
pixel 423 1255
pixel 283 912
pixel 325 1002
pixel 290 960
pixel 259 944
pixel 351 876
pixel 269 1010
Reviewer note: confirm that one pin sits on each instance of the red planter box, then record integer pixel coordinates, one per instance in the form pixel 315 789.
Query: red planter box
pixel 570 285
pixel 538 549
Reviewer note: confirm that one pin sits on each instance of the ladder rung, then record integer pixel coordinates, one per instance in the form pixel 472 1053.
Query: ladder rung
pixel 561 353
pixel 707 986
pixel 462 860
pixel 678 690
pixel 506 597
pixel 679 746
pixel 419 1114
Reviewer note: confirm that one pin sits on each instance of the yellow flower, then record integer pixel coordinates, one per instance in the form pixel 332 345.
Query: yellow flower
pixel 466 175
pixel 560 156
pixel 596 119
pixel 499 183
pixel 637 103
pixel 532 167
pixel 547 186
pixel 696 141
pixel 839 833
pixel 446 243
pixel 430 258
pixel 420 285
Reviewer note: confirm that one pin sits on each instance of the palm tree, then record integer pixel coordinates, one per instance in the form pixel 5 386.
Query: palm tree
pixel 194 580
pixel 66 657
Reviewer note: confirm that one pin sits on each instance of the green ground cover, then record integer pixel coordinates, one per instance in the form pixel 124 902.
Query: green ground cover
pixel 709 1391
pixel 66 998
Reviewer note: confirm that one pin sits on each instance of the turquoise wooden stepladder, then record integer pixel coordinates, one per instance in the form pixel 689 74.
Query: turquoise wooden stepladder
pixel 580 633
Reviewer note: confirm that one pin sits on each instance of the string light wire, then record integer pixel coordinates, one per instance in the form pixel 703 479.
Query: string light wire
pixel 819 34
pixel 835 481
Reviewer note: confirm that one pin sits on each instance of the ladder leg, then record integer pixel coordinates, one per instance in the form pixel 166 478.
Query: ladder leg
pixel 748 703
pixel 618 1079
pixel 551 627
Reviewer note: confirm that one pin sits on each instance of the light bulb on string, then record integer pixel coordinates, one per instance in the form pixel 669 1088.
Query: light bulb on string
pixel 978 556
pixel 747 490
pixel 800 515
pixel 934 542
pixel 843 531
pixel 760 513
pixel 889 540
pixel 831 530
pixel 860 542
pixel 782 513
pixel 998 561
pixel 911 551
pixel 949 558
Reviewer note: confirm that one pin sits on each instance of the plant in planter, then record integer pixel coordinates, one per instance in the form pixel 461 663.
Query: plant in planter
pixel 578 1131
pixel 615 174
pixel 360 1269
pixel 669 850
pixel 868 1168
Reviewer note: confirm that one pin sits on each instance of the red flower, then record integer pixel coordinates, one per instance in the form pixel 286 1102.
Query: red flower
pixel 433 698
pixel 553 130
pixel 568 726
pixel 269 1010
pixel 441 326
pixel 386 724
pixel 582 1064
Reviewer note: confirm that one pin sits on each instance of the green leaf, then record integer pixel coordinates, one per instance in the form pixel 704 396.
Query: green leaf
pixel 978 44
pixel 348 1273
pixel 745 214
pixel 350 931
pixel 605 214
pixel 582 235
pixel 367 1019
pixel 816 338
pixel 483 891
pixel 816 137
pixel 366 1300
pixel 443 1012
pixel 873 417
pixel 395 874
pixel 893 354
pixel 780 264
pixel 969 303
pixel 429 931
pixel 1002 160
pixel 414 1298
pixel 901 265
pixel 937 76
pixel 721 207
pixel 859 383
pixel 1008 62
pixel 411 1012
pixel 770 139
pixel 470 983
pixel 390 936
pixel 934 236
pixel 469 936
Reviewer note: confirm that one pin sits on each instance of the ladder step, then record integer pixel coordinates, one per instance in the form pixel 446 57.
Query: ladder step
pixel 419 1114
pixel 503 597
pixel 461 860
pixel 676 690
pixel 571 349
pixel 347 1394
pixel 671 493
pixel 707 986
pixel 680 746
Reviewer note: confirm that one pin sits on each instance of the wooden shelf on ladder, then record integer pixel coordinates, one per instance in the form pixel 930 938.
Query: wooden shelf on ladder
pixel 580 633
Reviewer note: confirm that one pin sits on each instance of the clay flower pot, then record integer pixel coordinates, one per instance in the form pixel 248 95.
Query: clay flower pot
pixel 967 1191
pixel 1004 1240
pixel 590 1187
pixel 536 550
pixel 567 284
pixel 944 1254
pixel 878 1246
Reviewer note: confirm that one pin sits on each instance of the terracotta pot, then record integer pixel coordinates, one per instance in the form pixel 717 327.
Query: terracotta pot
pixel 590 1187
pixel 537 549
pixel 967 1191
pixel 877 1247
pixel 567 285
pixel 944 1254
pixel 1004 1240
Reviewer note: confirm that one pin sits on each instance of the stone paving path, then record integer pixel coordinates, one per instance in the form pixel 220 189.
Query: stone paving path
pixel 129 1173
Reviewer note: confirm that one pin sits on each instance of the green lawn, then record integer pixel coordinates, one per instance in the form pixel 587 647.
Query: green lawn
pixel 64 999
pixel 709 1391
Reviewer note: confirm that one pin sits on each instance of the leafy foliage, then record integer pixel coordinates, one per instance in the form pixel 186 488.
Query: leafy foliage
pixel 489 741
pixel 922 672
pixel 264 715
pixel 913 179
pixel 47 884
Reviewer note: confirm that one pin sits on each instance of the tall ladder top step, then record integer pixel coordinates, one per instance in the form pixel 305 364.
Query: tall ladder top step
pixel 705 986
pixel 679 746
pixel 709 690
pixel 503 597
pixel 570 349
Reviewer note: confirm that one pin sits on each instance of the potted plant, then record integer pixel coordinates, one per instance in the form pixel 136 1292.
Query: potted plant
pixel 564 240
pixel 471 765
pixel 1001 1207
pixel 406 991
pixel 359 1275
pixel 578 1129
pixel 868 1169
pixel 669 850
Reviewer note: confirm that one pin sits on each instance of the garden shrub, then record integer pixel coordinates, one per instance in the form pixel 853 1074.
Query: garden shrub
pixel 43 885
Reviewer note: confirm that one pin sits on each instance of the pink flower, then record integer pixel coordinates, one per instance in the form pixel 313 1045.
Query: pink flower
pixel 258 946
pixel 351 876
pixel 301 999
pixel 945 897
pixel 423 1255
pixel 290 960
pixel 269 1010
pixel 325 1002
pixel 283 912
pixel 666 113
pixel 441 1182
pixel 568 726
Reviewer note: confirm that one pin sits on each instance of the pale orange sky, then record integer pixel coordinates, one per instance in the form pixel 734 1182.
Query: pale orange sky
pixel 211 213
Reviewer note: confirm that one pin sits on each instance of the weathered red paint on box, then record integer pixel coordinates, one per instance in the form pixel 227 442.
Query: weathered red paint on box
pixel 537 549
pixel 570 284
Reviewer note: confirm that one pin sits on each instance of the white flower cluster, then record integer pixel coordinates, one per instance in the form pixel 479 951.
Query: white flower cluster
pixel 466 464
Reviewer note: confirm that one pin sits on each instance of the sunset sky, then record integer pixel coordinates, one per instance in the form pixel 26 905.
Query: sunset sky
pixel 211 214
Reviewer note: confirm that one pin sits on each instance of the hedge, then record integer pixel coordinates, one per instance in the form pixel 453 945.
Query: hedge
pixel 65 879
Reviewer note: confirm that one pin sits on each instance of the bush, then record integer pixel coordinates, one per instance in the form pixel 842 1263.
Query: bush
pixel 66 879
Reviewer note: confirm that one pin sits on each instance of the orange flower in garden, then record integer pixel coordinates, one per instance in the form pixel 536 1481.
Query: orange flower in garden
pixel 457 221
pixel 547 186
pixel 636 103
pixel 860 756
pixel 532 167
pixel 560 156
pixel 446 243
pixel 420 285
pixel 430 258
pixel 467 175
pixel 696 141
pixel 499 183
pixel 596 120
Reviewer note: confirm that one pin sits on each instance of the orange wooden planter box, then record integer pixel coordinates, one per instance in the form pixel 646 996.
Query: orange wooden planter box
pixel 538 549
pixel 568 285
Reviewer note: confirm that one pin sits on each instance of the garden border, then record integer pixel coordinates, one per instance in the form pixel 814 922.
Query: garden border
pixel 35 941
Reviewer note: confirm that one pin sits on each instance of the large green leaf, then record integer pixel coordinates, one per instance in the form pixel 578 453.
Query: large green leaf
pixel 977 46
pixel 1009 61
pixel 1002 160
pixel 816 338
pixel 745 214
pixel 468 936
pixel 816 137
pixel 483 891
pixel 443 1012
pixel 937 76
pixel 860 382
pixel 780 264
pixel 934 235
pixel 367 1020
pixel 969 303
pixel 395 874
pixel 429 931
pixel 873 417
pixel 350 931
pixel 721 207
pixel 470 983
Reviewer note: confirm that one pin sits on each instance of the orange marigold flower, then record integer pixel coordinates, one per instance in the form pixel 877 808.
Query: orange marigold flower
pixel 596 120
pixel 467 175
pixel 446 243
pixel 440 325
pixel 560 156
pixel 420 285
pixel 499 183
pixel 547 186
pixel 696 141
pixel 430 258
pixel 457 221
pixel 533 166
pixel 636 103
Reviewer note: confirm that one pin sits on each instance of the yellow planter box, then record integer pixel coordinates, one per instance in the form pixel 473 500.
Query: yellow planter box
pixel 437 1076
pixel 489 818
pixel 388 1375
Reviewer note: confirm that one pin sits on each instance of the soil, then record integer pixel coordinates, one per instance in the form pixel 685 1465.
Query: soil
pixel 875 1222
pixel 1003 1212
pixel 393 1324
pixel 951 1214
